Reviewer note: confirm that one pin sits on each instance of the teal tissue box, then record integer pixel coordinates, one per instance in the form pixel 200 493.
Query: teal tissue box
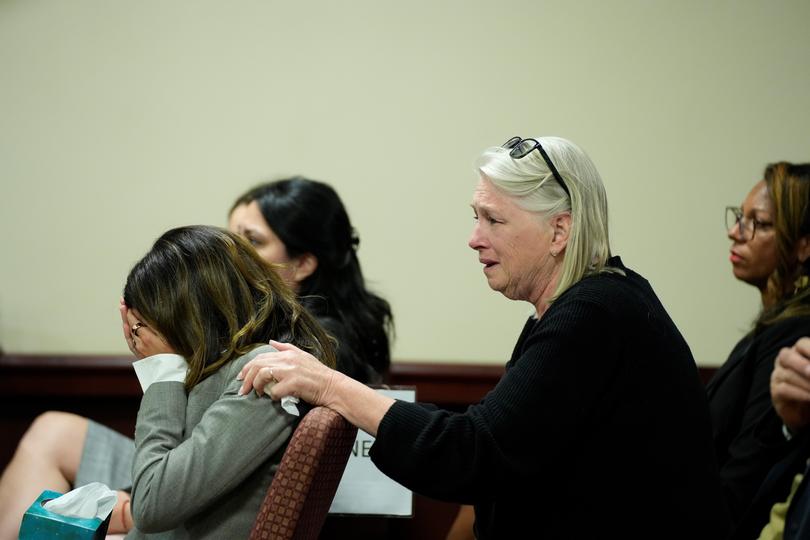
pixel 40 524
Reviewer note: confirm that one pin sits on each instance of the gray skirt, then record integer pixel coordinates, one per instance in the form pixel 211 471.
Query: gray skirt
pixel 107 458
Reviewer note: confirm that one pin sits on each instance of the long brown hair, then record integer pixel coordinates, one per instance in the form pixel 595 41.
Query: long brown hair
pixel 787 294
pixel 213 299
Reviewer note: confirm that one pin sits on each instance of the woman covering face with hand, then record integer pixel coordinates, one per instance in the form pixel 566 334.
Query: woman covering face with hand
pixel 599 427
pixel 299 225
pixel 206 302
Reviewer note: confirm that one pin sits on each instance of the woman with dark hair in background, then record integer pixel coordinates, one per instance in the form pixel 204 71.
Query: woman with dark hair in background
pixel 770 236
pixel 304 225
pixel 299 225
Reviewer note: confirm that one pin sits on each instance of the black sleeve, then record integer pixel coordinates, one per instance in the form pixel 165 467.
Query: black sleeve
pixel 522 427
pixel 759 442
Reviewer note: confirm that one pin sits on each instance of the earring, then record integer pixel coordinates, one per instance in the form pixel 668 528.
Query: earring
pixel 553 253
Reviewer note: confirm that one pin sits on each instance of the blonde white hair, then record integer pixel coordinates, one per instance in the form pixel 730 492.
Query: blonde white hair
pixel 530 182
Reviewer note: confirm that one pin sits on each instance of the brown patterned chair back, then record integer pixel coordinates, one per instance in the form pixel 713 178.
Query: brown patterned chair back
pixel 307 478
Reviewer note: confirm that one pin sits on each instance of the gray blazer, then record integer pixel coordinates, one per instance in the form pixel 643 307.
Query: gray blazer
pixel 204 461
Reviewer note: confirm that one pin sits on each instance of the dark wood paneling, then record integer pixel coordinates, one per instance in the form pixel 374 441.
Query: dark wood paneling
pixel 452 385
pixel 112 376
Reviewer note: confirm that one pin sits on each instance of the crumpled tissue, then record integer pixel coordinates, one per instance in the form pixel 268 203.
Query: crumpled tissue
pixel 94 500
pixel 288 403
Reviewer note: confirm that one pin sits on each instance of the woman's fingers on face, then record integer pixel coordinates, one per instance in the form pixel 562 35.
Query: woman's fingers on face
pixel 153 343
pixel 127 328
pixel 122 308
pixel 132 320
pixel 133 347
pixel 133 317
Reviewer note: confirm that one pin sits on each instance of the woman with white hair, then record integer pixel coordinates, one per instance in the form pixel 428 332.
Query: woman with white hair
pixel 599 427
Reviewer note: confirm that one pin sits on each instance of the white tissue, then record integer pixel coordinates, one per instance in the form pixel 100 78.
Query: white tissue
pixel 288 403
pixel 95 500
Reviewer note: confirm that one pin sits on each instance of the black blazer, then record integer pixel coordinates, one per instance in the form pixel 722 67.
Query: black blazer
pixel 775 489
pixel 746 430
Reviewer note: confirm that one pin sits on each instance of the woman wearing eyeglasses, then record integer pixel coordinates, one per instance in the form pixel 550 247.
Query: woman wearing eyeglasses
pixel 200 469
pixel 599 427
pixel 770 235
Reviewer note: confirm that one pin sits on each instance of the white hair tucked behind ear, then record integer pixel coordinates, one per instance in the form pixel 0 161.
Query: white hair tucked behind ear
pixel 530 182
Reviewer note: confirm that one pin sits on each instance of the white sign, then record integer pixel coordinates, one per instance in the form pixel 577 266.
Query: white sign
pixel 364 489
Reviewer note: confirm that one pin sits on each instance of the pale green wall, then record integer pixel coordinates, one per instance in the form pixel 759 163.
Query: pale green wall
pixel 119 120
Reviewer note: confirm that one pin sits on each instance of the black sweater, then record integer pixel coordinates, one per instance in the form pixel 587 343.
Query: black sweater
pixel 598 429
pixel 746 430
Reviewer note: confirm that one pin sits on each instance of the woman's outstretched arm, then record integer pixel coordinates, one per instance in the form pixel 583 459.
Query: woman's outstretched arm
pixel 289 371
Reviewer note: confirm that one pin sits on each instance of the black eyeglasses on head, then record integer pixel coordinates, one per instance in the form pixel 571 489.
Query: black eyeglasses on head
pixel 521 148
